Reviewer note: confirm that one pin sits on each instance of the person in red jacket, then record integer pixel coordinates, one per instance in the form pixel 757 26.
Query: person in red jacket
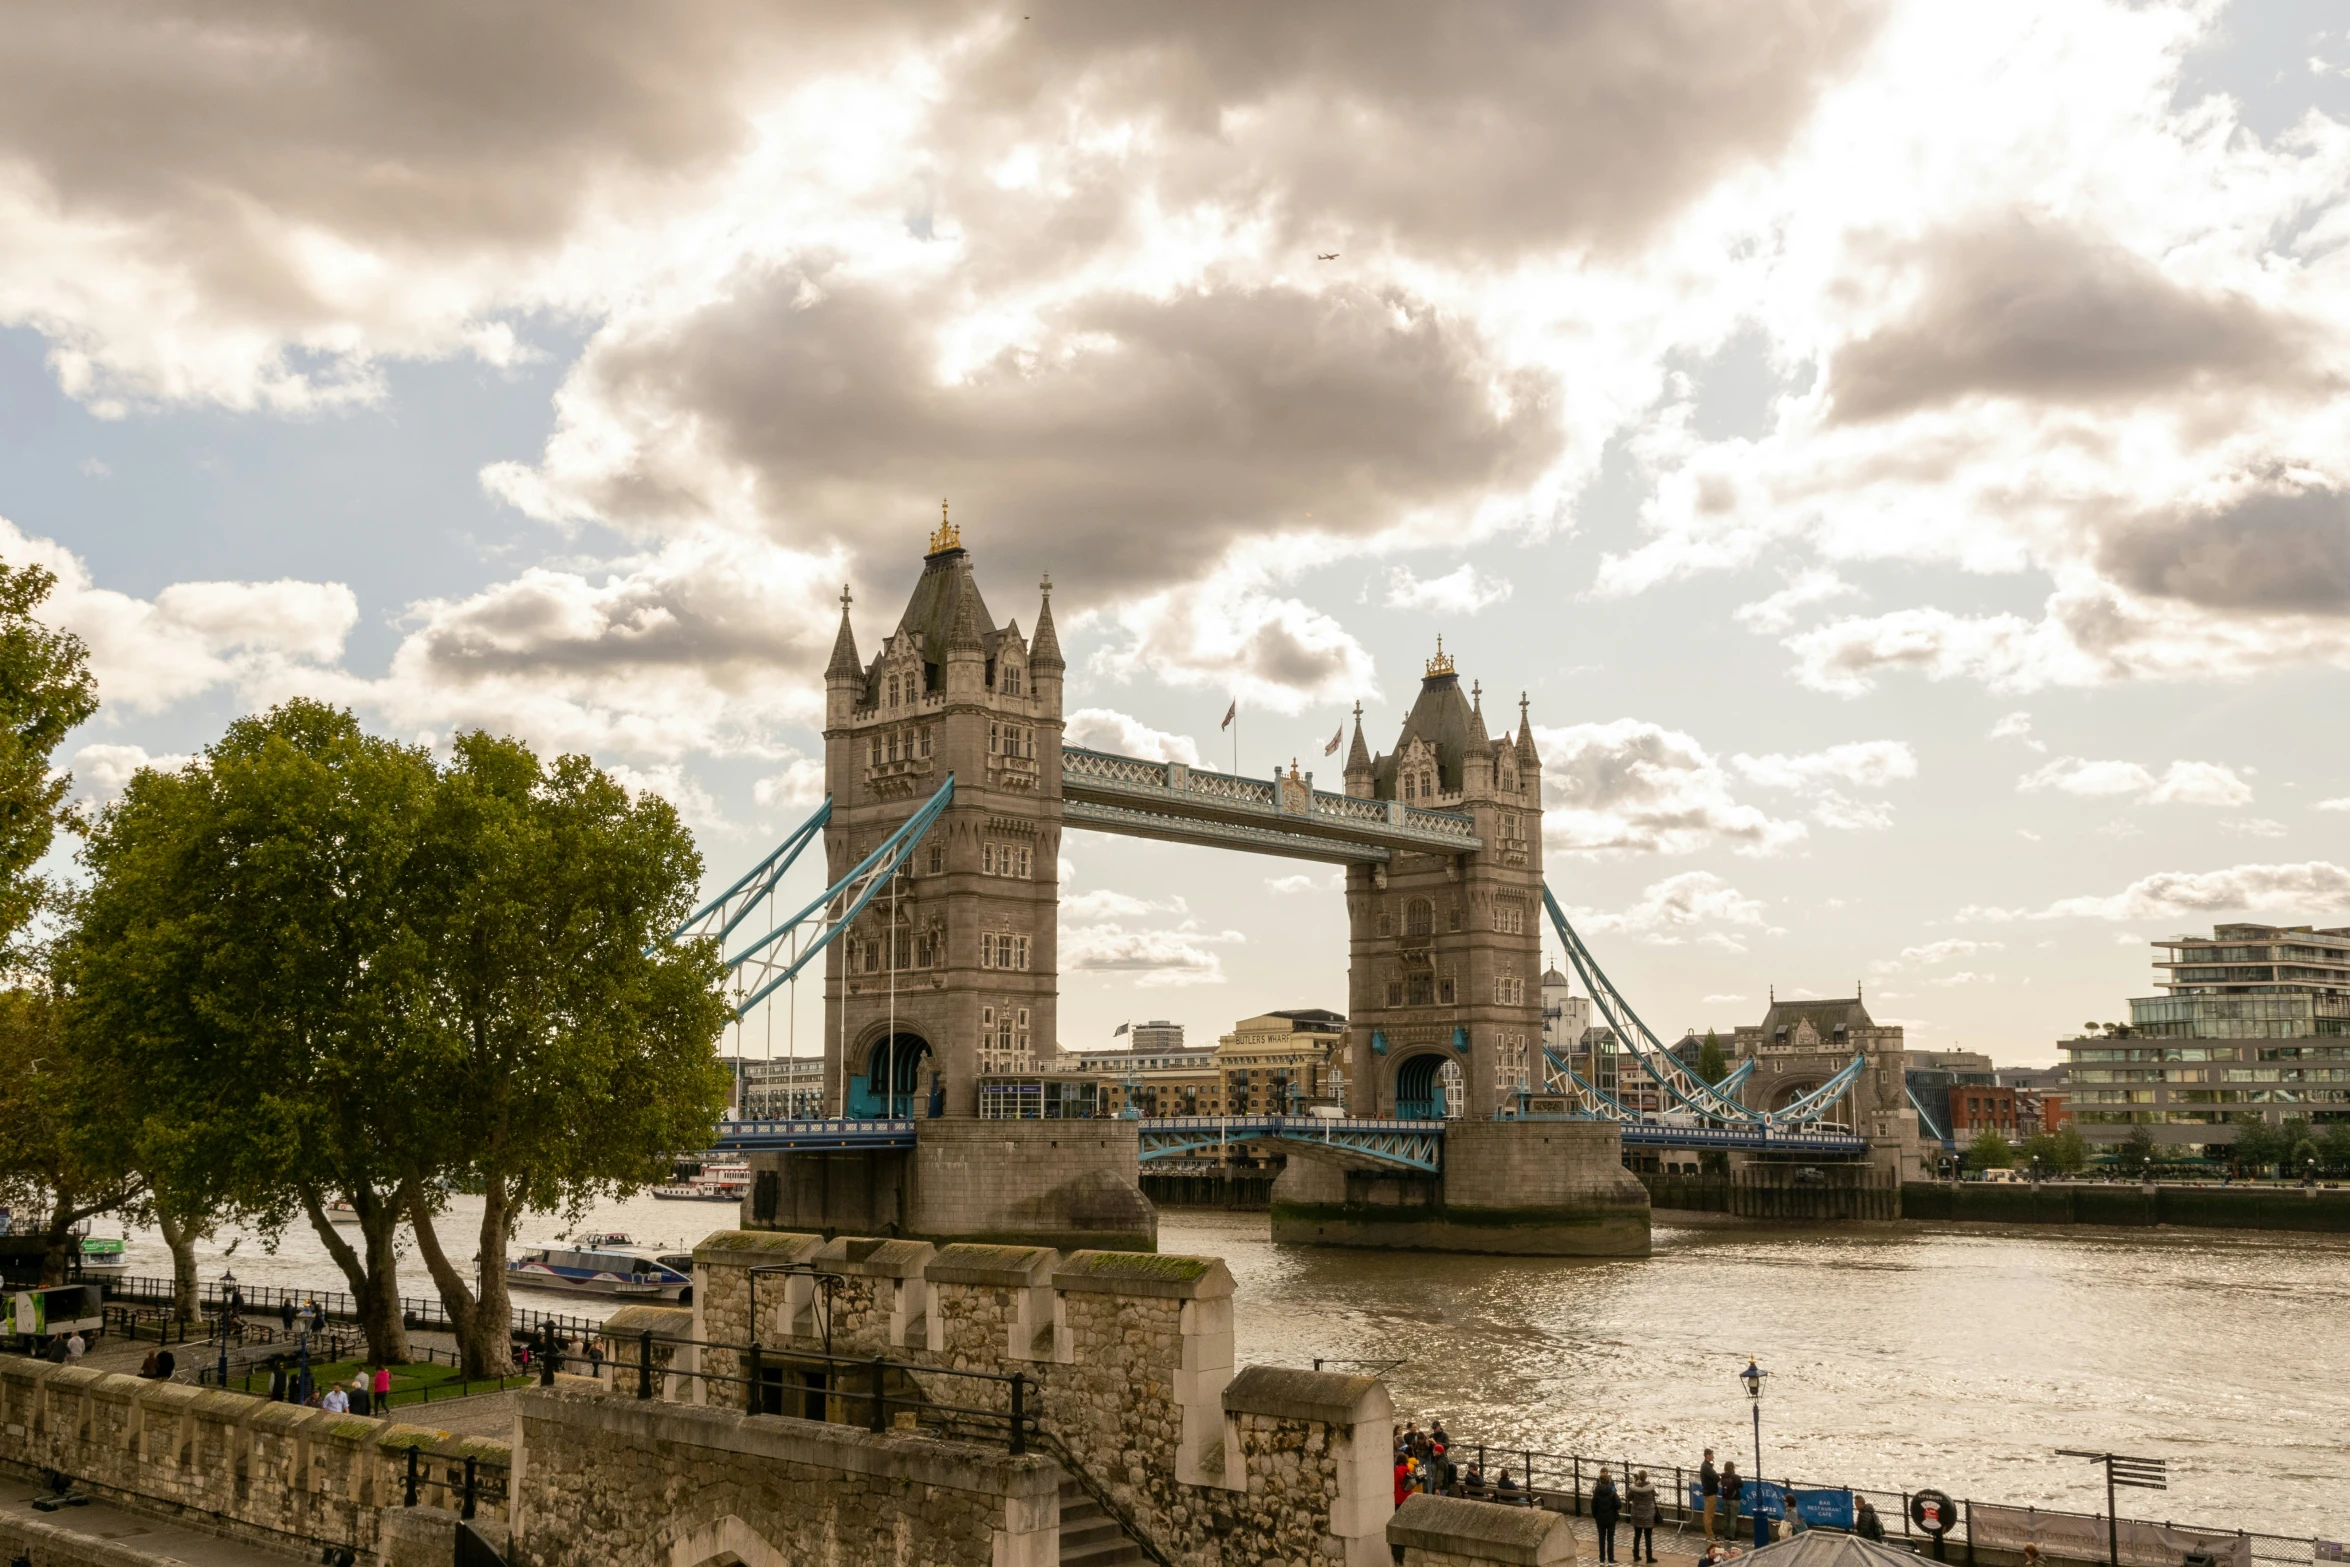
pixel 1403 1480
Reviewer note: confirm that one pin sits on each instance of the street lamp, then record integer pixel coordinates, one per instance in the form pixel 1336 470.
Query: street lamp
pixel 228 1284
pixel 1753 1376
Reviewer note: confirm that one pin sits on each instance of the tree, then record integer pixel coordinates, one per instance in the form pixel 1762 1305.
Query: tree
pixel 2135 1156
pixel 2060 1152
pixel 250 966
pixel 569 1043
pixel 45 690
pixel 53 1170
pixel 1989 1151
pixel 2257 1146
pixel 1712 1065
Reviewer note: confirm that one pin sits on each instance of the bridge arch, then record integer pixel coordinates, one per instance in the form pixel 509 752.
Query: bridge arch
pixel 1429 1086
pixel 890 1080
pixel 724 1542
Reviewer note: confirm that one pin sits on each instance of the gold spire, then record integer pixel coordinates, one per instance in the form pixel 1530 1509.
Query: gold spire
pixel 948 536
pixel 1441 664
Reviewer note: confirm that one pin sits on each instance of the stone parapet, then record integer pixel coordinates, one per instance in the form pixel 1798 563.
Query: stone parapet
pixel 1451 1531
pixel 627 1480
pixel 278 1474
pixel 1065 1184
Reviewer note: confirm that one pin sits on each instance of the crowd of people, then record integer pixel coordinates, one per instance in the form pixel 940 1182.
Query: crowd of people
pixel 1424 1462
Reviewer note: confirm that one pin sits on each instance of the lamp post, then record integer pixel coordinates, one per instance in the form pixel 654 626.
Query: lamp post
pixel 1753 1376
pixel 228 1284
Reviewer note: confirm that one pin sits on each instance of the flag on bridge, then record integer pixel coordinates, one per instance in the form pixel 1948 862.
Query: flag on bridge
pixel 1230 713
pixel 1336 735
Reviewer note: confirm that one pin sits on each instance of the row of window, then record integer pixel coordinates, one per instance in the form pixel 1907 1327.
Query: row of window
pixel 1509 919
pixel 911 950
pixel 1002 949
pixel 1003 1029
pixel 898 745
pixel 1006 859
pixel 1011 740
pixel 898 689
pixel 1426 990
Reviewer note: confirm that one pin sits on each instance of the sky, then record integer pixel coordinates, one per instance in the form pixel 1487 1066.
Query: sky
pixel 1896 450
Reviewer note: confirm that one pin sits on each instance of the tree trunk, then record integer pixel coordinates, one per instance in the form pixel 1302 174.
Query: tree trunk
pixel 58 1244
pixel 483 1320
pixel 181 1236
pixel 375 1278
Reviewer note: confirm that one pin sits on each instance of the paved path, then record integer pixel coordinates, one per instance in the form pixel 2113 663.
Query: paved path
pixel 104 1532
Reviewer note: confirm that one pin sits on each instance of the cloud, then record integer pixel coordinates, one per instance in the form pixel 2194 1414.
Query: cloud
pixel 2016 726
pixel 2310 888
pixel 2255 827
pixel 192 637
pixel 1289 884
pixel 1666 910
pixel 1460 592
pixel 695 805
pixel 2029 308
pixel 1230 635
pixel 1106 729
pixel 1933 952
pixel 1153 957
pixel 101 772
pixel 1963 977
pixel 1866 764
pixel 2269 550
pixel 1636 787
pixel 1728 996
pixel 800 783
pixel 1104 904
pixel 2182 783
pixel 2342 804
pixel 1772 615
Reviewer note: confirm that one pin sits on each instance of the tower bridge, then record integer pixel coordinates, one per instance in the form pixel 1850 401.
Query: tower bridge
pixel 948 791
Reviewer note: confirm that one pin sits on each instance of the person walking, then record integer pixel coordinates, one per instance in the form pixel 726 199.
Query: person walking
pixel 1733 1491
pixel 285 1314
pixel 1606 1508
pixel 1866 1524
pixel 1403 1477
pixel 1709 1490
pixel 75 1346
pixel 1640 1512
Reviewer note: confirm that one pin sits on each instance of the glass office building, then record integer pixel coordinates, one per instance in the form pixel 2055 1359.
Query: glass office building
pixel 2254 1024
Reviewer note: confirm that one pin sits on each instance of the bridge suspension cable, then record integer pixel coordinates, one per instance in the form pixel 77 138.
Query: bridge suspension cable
pixel 1716 1100
pixel 766 963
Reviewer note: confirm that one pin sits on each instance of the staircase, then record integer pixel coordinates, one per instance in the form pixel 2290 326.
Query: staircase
pixel 1089 1536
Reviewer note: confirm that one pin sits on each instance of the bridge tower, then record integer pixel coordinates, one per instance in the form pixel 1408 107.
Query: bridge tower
pixel 1445 956
pixel 950 971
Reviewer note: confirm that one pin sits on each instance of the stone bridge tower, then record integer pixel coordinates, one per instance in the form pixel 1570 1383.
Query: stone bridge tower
pixel 1445 960
pixel 949 973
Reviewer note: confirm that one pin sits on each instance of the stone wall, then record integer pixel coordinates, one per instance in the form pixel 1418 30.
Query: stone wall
pixel 277 1473
pixel 1524 1188
pixel 670 1485
pixel 1451 1531
pixel 1129 1358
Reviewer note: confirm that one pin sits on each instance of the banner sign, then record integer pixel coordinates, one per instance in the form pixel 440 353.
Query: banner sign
pixel 2082 1537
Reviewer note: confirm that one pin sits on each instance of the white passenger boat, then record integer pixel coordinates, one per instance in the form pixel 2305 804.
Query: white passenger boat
pixel 598 1265
pixel 717 1182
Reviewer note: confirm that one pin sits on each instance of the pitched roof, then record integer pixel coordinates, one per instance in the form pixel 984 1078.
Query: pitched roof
pixel 845 663
pixel 1045 650
pixel 1825 1016
pixel 1441 717
pixel 942 598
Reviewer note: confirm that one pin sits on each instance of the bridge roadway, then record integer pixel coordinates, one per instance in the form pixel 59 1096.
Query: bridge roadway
pixel 1408 1145
pixel 1284 816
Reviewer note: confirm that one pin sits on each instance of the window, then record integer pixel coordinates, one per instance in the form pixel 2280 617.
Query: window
pixel 1409 785
pixel 995 739
pixel 938 853
pixel 1452 918
pixel 1386 923
pixel 873 752
pixel 1421 988
pixel 987 859
pixel 1418 917
pixel 926 740
pixel 893 690
pixel 1509 919
pixel 1006 859
pixel 1395 992
pixel 1444 991
pixel 926 950
pixel 1509 990
pixel 1002 949
pixel 893 745
pixel 1011 680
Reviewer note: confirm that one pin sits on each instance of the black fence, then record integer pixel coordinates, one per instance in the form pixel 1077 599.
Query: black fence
pixel 1562 1482
pixel 264 1302
pixel 461 1483
pixel 846 1389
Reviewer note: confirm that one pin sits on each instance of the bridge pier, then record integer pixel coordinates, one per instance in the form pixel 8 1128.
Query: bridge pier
pixel 1515 1188
pixel 1065 1184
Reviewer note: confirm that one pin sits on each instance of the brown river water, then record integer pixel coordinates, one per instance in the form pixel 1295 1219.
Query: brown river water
pixel 1898 1358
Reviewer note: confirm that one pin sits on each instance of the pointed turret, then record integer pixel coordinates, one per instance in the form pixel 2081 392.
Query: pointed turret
pixel 1527 758
pixel 1046 648
pixel 844 676
pixel 1360 779
pixel 1477 750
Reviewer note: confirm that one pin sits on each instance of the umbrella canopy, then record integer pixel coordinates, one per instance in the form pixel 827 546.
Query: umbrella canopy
pixel 1826 1548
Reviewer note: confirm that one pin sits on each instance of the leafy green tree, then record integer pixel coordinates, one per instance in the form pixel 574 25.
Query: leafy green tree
pixel 1712 1065
pixel 2333 1147
pixel 2257 1146
pixel 45 690
pixel 54 1171
pixel 568 1052
pixel 249 963
pixel 1989 1151
pixel 2060 1152
pixel 2136 1155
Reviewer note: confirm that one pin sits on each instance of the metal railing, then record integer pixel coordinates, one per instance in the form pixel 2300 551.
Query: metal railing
pixel 1562 1482
pixel 459 1482
pixel 871 1390
pixel 262 1301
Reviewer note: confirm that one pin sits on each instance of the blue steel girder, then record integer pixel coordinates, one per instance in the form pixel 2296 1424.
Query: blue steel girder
pixel 1754 1139
pixel 1411 1145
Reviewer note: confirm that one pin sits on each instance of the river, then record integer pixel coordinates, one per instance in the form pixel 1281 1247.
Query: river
pixel 1958 1359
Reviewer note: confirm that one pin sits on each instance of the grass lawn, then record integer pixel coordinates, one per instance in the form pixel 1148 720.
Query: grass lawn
pixel 411 1384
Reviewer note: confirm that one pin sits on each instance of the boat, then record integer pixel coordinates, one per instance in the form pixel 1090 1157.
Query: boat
pixel 597 1265
pixel 102 1257
pixel 715 1183
pixel 341 1212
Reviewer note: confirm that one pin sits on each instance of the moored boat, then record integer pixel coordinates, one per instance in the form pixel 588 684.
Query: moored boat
pixel 597 1266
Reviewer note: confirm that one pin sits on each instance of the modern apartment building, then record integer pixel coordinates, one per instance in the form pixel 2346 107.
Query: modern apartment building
pixel 2253 1023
